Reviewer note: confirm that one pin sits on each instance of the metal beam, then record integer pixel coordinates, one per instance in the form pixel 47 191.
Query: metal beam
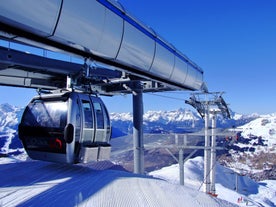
pixel 182 147
pixel 27 70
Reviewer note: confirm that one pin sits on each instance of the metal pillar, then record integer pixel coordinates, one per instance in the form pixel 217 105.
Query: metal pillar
pixel 138 139
pixel 181 143
pixel 207 154
pixel 181 166
pixel 237 183
pixel 213 154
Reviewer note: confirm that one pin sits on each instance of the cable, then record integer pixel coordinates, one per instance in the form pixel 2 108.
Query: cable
pixel 169 97
pixel 208 174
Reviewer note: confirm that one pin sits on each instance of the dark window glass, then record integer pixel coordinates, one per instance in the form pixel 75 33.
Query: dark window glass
pixel 99 115
pixel 46 114
pixel 87 110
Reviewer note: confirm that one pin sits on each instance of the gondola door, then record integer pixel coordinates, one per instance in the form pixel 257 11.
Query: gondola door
pixel 100 135
pixel 88 132
pixel 94 144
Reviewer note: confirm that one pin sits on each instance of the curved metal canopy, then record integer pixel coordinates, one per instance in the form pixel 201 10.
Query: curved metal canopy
pixel 124 50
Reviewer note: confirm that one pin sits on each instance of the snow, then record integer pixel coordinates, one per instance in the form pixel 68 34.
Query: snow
pixel 121 116
pixel 251 192
pixel 37 183
pixel 262 127
pixel 5 149
pixel 165 116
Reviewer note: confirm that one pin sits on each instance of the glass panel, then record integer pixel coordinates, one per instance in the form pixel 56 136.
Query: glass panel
pixel 78 123
pixel 99 115
pixel 46 114
pixel 88 118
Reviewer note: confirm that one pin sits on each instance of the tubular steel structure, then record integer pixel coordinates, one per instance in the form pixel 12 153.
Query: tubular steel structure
pixel 102 31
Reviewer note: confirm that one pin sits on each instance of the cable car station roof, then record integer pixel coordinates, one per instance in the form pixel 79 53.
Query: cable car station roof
pixel 123 50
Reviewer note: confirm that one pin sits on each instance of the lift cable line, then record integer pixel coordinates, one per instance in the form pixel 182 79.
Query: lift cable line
pixel 120 56
pixel 168 97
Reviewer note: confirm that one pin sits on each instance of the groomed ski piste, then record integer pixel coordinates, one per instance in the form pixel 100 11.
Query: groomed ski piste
pixel 38 183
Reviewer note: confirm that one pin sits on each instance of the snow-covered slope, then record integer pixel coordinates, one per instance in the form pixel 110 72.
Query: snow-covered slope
pixel 36 183
pixel 251 192
pixel 255 150
pixel 264 126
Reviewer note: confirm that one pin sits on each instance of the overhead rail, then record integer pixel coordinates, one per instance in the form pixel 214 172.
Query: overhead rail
pixel 100 30
pixel 21 69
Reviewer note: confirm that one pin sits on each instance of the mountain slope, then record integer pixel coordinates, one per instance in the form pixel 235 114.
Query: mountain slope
pixel 252 193
pixel 254 152
pixel 36 183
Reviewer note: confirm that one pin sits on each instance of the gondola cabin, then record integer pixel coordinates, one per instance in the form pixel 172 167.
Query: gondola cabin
pixel 66 127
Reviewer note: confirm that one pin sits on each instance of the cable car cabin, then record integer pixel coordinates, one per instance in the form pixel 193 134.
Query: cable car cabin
pixel 67 127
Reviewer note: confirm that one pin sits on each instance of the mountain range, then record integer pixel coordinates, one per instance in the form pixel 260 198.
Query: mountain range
pixel 177 121
pixel 251 151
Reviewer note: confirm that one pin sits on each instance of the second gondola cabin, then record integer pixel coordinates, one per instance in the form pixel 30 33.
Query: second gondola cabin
pixel 66 127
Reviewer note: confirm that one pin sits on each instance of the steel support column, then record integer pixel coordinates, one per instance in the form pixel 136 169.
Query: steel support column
pixel 181 166
pixel 213 155
pixel 207 154
pixel 138 139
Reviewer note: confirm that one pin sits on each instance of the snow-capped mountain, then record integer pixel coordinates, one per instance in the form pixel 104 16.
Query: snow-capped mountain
pixel 9 119
pixel 254 152
pixel 180 120
pixel 177 121
pixel 9 116
pixel 264 126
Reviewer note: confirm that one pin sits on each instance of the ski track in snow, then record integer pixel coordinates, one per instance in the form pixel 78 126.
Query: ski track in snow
pixel 36 183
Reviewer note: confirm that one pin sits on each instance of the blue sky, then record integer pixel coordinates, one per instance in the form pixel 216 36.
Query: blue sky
pixel 233 41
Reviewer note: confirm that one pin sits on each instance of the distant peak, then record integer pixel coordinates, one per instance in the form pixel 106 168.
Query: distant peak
pixel 6 107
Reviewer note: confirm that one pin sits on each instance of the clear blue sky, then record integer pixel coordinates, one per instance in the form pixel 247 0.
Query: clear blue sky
pixel 233 41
